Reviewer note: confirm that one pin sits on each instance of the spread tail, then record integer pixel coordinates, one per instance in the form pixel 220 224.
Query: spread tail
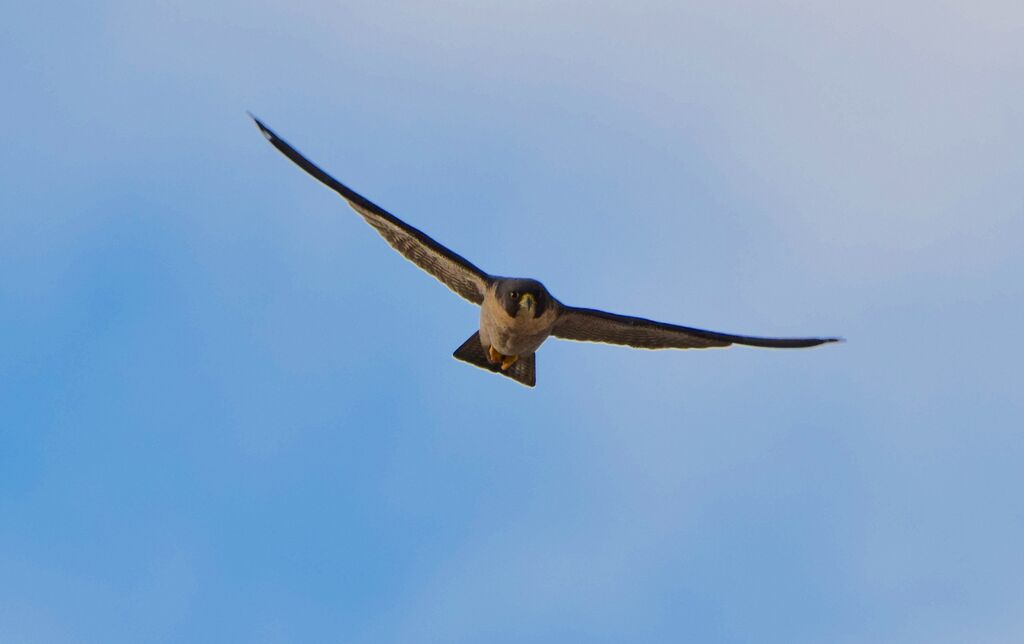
pixel 524 370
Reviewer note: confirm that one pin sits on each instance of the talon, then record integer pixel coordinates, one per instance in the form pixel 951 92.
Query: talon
pixel 508 361
pixel 493 356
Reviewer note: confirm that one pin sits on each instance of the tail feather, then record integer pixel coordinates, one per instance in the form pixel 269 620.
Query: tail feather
pixel 524 371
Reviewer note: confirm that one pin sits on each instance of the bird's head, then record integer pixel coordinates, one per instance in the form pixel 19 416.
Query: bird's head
pixel 523 297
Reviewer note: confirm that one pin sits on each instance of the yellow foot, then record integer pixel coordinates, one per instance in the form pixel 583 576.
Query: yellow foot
pixel 508 361
pixel 493 356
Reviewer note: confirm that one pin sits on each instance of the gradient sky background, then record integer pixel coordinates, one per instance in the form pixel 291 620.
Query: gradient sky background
pixel 228 410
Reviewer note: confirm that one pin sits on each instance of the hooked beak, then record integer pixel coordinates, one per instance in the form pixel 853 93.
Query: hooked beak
pixel 527 301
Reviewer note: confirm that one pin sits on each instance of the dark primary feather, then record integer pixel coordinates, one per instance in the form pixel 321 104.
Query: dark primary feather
pixel 589 325
pixel 449 268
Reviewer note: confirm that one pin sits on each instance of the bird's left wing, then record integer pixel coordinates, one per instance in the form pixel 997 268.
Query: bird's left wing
pixel 589 325
pixel 451 269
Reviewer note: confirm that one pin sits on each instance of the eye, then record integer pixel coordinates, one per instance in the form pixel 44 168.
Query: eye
pixel 513 295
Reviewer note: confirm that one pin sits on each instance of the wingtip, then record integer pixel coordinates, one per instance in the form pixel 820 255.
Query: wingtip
pixel 264 130
pixel 824 341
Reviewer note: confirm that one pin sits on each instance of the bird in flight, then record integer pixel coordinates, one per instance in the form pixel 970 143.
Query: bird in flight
pixel 518 314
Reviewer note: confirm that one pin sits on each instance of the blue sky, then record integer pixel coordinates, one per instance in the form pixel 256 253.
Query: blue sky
pixel 228 411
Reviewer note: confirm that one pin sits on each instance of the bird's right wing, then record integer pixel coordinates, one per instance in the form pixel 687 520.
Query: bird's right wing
pixel 589 325
pixel 449 268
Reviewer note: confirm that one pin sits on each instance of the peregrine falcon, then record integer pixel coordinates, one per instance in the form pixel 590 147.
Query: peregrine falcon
pixel 517 315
